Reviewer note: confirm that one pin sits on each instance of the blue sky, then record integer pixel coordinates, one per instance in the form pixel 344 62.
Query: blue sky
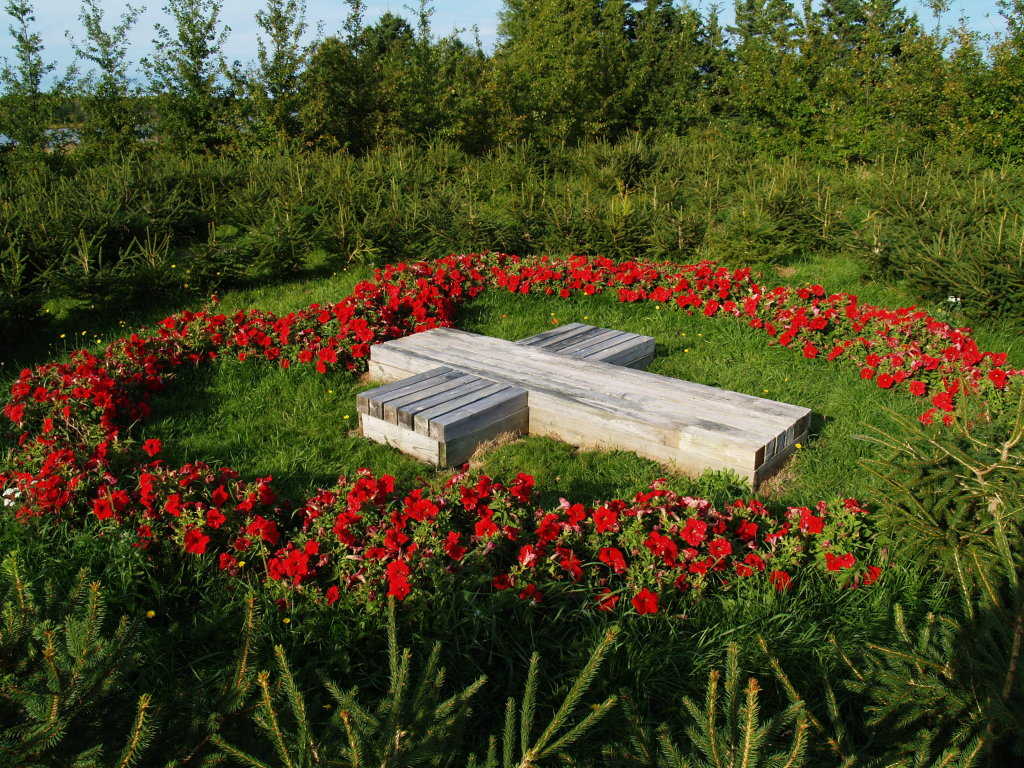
pixel 54 17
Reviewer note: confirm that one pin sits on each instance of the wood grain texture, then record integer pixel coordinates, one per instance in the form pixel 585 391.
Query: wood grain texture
pixel 462 390
pixel 775 463
pixel 458 449
pixel 378 392
pixel 594 343
pixel 373 400
pixel 597 403
pixel 554 335
pixel 412 443
pixel 469 398
pixel 475 416
pixel 442 453
pixel 441 385
pixel 622 390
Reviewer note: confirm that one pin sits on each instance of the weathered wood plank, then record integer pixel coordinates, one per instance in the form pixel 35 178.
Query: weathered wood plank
pixel 469 418
pixel 592 344
pixel 461 388
pixel 377 371
pixel 632 385
pixel 578 428
pixel 615 349
pixel 442 384
pixel 465 397
pixel 405 440
pixel 558 393
pixel 376 399
pixel 369 401
pixel 582 335
pixel 639 363
pixel 628 357
pixel 548 337
pixel 378 392
pixel 772 465
pixel 599 400
pixel 459 449
pixel 617 390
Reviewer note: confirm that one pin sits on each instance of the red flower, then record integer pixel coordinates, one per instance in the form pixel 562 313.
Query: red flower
pixel 645 602
pixel 196 541
pixel 780 580
pixel 522 487
pixel 102 508
pixel 549 528
pixel 885 381
pixel 485 527
pixel 398 579
pixel 214 518
pixel 662 546
pixel 872 575
pixel 606 600
pixel 834 563
pixel 613 558
pixel 605 519
pixel 943 401
pixel 530 592
pixel 502 582
pixel 998 377
pixel 754 561
pixel 810 351
pixel 720 547
pixel 528 555
pixel 746 530
pixel 694 532
pixel 226 561
pixel 570 563
pixel 918 388
pixel 452 548
pixel 15 413
pixel 265 529
pixel 152 447
pixel 219 496
pixel 173 505
pixel 810 524
pixel 332 594
pixel 575 514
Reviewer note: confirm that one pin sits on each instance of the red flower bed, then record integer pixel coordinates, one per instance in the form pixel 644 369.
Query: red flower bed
pixel 77 457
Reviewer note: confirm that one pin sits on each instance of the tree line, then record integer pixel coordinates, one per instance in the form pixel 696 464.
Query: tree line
pixel 846 79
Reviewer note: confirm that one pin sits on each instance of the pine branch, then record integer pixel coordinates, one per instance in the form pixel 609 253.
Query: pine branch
pixel 579 687
pixel 244 758
pixel 509 735
pixel 140 735
pixel 750 736
pixel 529 701
pixel 295 700
pixel 269 720
pixel 740 741
pixel 355 747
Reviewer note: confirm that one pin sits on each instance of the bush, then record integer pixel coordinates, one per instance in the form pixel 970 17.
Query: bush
pixel 61 676
pixel 105 234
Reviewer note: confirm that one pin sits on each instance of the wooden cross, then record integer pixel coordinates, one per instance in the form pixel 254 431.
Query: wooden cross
pixel 451 390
